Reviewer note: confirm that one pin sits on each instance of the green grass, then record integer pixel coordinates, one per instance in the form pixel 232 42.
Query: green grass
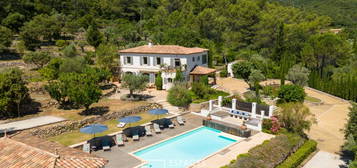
pixel 211 96
pixel 312 99
pixel 74 137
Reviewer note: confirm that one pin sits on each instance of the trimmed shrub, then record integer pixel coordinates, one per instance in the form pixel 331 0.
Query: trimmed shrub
pixel 291 93
pixel 179 96
pixel 300 155
pixel 158 81
pixel 223 73
pixel 61 43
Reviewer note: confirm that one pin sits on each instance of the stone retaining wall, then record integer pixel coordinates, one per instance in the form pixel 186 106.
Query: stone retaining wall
pixel 67 126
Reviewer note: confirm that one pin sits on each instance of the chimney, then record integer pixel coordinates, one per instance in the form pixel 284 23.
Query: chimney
pixel 150 44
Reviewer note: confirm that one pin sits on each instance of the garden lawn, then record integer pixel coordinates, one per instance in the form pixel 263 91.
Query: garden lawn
pixel 74 137
pixel 215 95
pixel 312 99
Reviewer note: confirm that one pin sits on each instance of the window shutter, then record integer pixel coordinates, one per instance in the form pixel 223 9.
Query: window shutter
pixel 149 62
pixel 141 60
pixel 154 63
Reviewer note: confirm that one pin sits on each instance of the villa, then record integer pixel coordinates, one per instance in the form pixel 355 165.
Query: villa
pixel 151 59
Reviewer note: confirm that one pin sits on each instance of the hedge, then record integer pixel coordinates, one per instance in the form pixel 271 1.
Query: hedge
pixel 300 155
pixel 270 153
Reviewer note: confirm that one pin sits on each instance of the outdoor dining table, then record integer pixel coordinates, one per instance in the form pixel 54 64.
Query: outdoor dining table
pixel 97 142
pixel 163 123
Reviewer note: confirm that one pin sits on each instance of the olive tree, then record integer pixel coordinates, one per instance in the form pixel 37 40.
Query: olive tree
pixel 134 83
pixel 298 75
pixel 39 59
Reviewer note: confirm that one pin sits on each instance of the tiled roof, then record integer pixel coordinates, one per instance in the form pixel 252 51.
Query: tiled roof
pixel 163 49
pixel 200 70
pixel 33 152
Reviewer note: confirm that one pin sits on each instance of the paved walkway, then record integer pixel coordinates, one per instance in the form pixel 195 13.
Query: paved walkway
pixel 224 157
pixel 29 123
pixel 331 118
pixel 325 160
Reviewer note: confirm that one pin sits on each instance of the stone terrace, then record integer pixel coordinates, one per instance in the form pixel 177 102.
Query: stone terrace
pixel 118 156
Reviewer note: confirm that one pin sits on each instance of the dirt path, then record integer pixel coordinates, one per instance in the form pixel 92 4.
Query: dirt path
pixel 331 118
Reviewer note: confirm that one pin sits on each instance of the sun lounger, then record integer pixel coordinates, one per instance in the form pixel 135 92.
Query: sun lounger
pixel 171 126
pixel 119 139
pixel 180 120
pixel 157 128
pixel 148 130
pixel 86 147
pixel 121 125
pixel 106 145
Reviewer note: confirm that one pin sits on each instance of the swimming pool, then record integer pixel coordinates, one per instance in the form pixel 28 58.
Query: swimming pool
pixel 184 150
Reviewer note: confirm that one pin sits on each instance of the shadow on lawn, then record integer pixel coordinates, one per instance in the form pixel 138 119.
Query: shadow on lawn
pixel 95 111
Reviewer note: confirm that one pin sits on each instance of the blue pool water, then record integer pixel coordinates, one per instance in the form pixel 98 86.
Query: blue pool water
pixel 184 150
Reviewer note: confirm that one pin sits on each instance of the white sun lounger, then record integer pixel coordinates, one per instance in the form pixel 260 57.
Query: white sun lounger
pixel 180 120
pixel 119 139
pixel 86 147
pixel 148 130
pixel 121 125
pixel 157 128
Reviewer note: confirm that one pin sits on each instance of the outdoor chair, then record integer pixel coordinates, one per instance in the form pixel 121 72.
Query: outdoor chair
pixel 86 147
pixel 180 120
pixel 171 126
pixel 121 125
pixel 148 130
pixel 157 128
pixel 135 136
pixel 106 145
pixel 119 139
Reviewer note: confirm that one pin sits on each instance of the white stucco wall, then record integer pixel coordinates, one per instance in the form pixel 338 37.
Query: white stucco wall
pixel 166 59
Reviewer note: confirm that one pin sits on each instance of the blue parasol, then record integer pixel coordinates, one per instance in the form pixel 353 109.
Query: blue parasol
pixel 158 112
pixel 130 119
pixel 93 129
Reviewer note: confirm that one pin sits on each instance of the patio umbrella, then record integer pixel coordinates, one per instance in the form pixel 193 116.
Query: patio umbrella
pixel 130 119
pixel 93 129
pixel 158 112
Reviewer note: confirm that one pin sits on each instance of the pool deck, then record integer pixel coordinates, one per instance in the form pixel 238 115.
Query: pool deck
pixel 226 155
pixel 119 157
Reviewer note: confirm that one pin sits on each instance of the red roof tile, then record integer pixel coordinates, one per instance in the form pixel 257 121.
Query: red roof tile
pixel 200 70
pixel 163 49
pixel 15 154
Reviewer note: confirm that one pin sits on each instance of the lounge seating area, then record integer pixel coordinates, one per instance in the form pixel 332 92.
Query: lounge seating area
pixel 132 133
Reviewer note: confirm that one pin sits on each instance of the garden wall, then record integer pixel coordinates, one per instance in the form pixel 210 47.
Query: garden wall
pixel 67 126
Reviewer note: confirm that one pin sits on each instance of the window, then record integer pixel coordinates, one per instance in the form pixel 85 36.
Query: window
pixel 158 60
pixel 204 59
pixel 193 59
pixel 169 80
pixel 128 60
pixel 145 60
pixel 177 62
pixel 198 58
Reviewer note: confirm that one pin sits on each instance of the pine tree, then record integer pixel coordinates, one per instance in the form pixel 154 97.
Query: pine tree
pixel 94 36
